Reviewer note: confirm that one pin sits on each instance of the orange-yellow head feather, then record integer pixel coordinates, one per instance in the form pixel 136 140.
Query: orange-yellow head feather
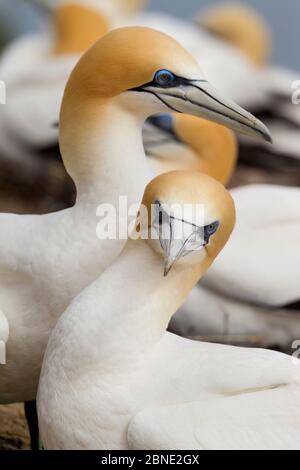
pixel 215 145
pixel 77 27
pixel 128 57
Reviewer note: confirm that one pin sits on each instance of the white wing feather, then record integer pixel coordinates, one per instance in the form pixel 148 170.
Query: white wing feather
pixel 261 262
pixel 262 420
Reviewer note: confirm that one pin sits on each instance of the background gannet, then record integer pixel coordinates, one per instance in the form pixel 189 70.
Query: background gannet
pixel 63 253
pixel 184 142
pixel 113 378
pixel 241 26
pixel 247 31
pixel 256 278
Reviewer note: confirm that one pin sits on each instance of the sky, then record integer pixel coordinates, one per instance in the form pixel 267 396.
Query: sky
pixel 283 16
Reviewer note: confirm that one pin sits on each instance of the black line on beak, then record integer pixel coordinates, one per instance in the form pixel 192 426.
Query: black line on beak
pixel 215 112
pixel 187 82
pixel 215 99
pixel 158 97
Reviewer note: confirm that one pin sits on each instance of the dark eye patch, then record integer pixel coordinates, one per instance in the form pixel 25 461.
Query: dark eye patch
pixel 165 79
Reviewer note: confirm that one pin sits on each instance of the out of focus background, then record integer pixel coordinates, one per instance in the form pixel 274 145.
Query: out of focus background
pixel 254 58
pixel 283 17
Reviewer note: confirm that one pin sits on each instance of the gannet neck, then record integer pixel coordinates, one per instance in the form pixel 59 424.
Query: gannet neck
pixel 215 146
pixel 76 27
pixel 100 138
pixel 146 302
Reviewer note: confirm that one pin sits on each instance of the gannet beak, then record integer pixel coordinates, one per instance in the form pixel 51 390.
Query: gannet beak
pixel 169 262
pixel 181 248
pixel 212 105
pixel 178 237
pixel 200 98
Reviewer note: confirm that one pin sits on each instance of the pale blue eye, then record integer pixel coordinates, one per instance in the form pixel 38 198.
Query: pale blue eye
pixel 165 78
pixel 212 228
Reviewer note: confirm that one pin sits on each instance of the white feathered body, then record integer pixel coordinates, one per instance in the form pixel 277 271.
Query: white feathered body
pixel 45 262
pixel 100 390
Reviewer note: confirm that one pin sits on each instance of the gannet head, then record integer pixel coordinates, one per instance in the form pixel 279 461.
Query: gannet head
pixel 77 24
pixel 192 217
pixel 242 27
pixel 147 72
pixel 199 135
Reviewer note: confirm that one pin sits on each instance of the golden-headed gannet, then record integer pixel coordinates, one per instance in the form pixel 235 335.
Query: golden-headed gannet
pixel 101 122
pixel 113 378
pixel 184 142
pixel 78 24
pixel 256 278
pixel 245 29
pixel 242 27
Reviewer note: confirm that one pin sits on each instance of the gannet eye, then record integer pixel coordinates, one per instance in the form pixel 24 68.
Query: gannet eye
pixel 211 229
pixel 165 78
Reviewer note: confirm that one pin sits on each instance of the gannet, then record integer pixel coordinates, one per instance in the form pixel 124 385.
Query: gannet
pixel 241 26
pixel 247 31
pixel 113 378
pixel 184 142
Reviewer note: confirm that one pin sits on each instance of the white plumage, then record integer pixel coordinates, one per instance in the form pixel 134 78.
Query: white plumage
pixel 143 388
